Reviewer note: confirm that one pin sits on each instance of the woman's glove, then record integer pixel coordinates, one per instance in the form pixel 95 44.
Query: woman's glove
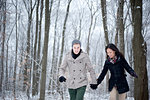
pixel 93 86
pixel 134 74
pixel 62 79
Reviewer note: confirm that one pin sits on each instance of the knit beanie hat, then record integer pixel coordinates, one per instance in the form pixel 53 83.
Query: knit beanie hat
pixel 76 42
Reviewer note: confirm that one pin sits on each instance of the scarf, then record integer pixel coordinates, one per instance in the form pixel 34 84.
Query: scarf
pixel 76 55
pixel 112 60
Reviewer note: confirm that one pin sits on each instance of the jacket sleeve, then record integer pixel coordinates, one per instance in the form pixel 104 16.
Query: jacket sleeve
pixel 127 67
pixel 63 66
pixel 90 70
pixel 103 73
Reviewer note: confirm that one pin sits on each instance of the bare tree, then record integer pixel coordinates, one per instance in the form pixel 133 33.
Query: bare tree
pixel 45 48
pixel 62 42
pixel 63 32
pixel 3 26
pixel 121 24
pixel 27 70
pixel 92 14
pixel 39 49
pixel 53 78
pixel 35 71
pixel 80 25
pixel 104 17
pixel 139 52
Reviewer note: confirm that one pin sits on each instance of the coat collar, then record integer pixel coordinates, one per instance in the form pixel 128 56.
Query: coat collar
pixel 82 55
pixel 117 60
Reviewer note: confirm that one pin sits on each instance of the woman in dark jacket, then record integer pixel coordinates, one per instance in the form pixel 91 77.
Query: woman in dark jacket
pixel 117 65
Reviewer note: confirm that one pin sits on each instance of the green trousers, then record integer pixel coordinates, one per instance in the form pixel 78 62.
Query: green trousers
pixel 77 94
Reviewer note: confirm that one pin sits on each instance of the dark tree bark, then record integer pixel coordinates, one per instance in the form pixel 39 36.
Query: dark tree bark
pixel 121 25
pixel 45 49
pixel 139 52
pixel 104 17
pixel 35 69
pixel 39 49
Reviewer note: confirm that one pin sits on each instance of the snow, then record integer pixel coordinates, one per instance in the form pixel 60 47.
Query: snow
pixel 89 95
pixel 138 7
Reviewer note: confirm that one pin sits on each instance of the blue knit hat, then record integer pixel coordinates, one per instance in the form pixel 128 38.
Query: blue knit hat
pixel 76 42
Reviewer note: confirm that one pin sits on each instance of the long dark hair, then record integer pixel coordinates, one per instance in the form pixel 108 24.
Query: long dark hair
pixel 114 48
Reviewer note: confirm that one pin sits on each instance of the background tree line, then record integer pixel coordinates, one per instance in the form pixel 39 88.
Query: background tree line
pixel 35 34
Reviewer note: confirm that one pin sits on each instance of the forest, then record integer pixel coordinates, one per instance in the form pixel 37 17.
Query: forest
pixel 36 34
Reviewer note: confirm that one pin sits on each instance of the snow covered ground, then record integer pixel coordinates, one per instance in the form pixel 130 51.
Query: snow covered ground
pixel 92 95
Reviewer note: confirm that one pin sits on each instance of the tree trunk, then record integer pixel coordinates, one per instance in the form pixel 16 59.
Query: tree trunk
pixel 139 52
pixel 45 49
pixel 27 67
pixel 62 43
pixel 53 76
pixel 16 57
pixel 104 17
pixel 39 49
pixel 35 69
pixel 80 28
pixel 121 25
pixel 63 32
pixel 92 14
pixel 3 9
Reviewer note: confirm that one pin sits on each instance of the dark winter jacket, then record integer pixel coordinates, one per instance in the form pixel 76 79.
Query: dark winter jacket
pixel 118 76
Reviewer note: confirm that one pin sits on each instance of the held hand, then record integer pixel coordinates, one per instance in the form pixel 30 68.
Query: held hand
pixel 134 74
pixel 93 86
pixel 62 79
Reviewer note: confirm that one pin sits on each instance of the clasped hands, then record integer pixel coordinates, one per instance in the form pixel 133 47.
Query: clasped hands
pixel 94 86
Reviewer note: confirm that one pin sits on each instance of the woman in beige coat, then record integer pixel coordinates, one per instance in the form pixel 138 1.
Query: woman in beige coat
pixel 78 63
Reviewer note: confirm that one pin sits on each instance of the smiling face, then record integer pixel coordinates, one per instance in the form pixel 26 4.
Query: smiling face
pixel 76 48
pixel 110 53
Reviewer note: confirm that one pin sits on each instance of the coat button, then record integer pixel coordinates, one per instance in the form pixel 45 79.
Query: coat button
pixel 80 78
pixel 80 70
pixel 80 62
pixel 74 62
pixel 74 70
pixel 74 78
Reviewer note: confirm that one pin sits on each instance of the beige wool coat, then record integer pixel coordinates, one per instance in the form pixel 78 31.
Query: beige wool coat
pixel 77 70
